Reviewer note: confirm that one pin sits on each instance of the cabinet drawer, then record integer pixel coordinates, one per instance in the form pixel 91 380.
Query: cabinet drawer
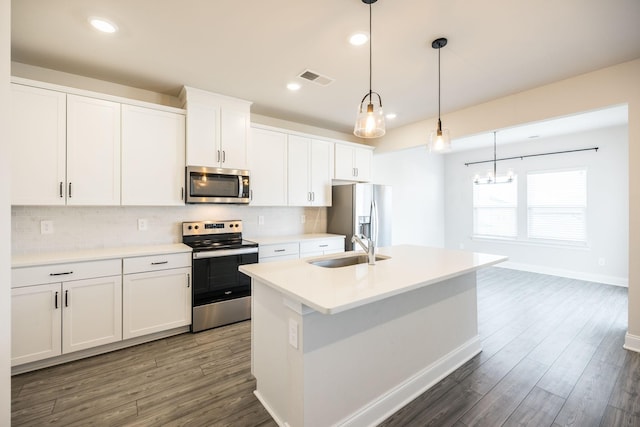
pixel 326 245
pixel 266 251
pixel 156 262
pixel 28 276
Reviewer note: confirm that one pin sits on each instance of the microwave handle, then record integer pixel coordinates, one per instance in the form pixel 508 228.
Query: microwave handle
pixel 240 186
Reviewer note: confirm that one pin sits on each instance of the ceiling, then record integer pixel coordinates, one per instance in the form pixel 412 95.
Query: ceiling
pixel 251 50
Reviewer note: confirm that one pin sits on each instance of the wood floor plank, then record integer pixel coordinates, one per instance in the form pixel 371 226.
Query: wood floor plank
pixel 614 417
pixel 496 406
pixel 587 402
pixel 539 408
pixel 626 393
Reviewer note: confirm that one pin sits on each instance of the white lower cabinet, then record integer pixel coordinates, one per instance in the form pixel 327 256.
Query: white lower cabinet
pixel 50 319
pixel 278 252
pixel 36 323
pixel 91 313
pixel 157 294
pixel 321 247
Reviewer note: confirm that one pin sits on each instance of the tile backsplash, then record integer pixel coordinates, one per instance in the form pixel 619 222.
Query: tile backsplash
pixel 104 227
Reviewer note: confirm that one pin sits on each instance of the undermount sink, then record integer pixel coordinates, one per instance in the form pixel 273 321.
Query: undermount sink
pixel 345 261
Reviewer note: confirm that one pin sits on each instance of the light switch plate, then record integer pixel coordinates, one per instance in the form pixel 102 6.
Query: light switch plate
pixel 293 333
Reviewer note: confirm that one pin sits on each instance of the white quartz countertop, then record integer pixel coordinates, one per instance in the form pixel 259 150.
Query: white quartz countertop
pixel 333 290
pixel 29 260
pixel 276 240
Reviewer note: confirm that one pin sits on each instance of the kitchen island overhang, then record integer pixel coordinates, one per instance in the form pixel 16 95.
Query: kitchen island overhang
pixel 352 345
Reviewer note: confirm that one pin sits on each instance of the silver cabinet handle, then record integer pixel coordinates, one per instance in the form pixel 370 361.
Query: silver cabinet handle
pixel 69 190
pixel 56 300
pixel 66 298
pixel 218 156
pixel 61 189
pixel 182 194
pixel 188 280
pixel 323 246
pixel 250 194
pixel 224 156
pixel 227 292
pixel 160 262
pixel 356 172
pixel 279 250
pixel 313 196
pixel 61 274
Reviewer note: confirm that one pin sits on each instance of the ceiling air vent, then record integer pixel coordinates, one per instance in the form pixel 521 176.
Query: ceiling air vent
pixel 316 78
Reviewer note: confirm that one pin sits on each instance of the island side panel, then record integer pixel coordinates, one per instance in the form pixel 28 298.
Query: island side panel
pixel 363 364
pixel 277 366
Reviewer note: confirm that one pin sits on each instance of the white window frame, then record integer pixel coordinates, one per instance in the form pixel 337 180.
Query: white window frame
pixel 578 208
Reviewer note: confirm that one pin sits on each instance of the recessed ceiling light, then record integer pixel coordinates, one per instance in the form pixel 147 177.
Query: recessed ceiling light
pixel 533 136
pixel 391 116
pixel 103 25
pixel 358 39
pixel 293 86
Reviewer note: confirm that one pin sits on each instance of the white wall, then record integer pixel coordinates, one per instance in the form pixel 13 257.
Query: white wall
pixel 416 178
pixel 103 227
pixel 607 204
pixel 5 229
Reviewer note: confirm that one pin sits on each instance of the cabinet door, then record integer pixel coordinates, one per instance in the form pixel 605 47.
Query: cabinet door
pixel 344 168
pixel 234 133
pixel 268 167
pixel 92 313
pixel 93 151
pixel 298 172
pixel 203 135
pixel 36 323
pixel 152 157
pixel 156 301
pixel 38 146
pixel 363 159
pixel 321 172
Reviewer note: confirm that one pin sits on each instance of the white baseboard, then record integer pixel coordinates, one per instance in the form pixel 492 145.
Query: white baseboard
pixel 632 342
pixel 271 412
pixel 578 275
pixel 392 401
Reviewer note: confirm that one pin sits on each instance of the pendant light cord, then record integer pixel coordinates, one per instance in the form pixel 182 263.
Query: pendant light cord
pixel 439 123
pixel 370 59
pixel 494 157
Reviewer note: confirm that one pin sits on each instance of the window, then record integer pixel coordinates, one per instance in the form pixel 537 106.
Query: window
pixel 557 205
pixel 495 209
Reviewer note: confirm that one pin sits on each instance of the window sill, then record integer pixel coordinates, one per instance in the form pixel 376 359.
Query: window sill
pixel 539 243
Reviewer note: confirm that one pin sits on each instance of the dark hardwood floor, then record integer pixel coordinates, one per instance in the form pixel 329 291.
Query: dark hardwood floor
pixel 552 356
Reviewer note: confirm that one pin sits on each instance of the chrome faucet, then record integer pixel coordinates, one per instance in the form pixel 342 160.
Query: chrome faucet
pixel 369 247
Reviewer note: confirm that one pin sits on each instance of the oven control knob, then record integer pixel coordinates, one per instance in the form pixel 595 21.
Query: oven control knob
pixel 196 227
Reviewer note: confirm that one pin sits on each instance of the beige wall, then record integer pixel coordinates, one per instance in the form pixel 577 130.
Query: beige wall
pixel 5 218
pixel 614 85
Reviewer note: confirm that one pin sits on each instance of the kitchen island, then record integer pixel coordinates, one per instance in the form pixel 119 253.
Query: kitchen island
pixel 351 345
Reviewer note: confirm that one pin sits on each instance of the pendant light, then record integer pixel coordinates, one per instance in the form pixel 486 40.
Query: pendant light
pixel 439 140
pixel 370 120
pixel 492 177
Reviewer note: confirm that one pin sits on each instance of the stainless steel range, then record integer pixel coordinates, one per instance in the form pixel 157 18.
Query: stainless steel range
pixel 221 294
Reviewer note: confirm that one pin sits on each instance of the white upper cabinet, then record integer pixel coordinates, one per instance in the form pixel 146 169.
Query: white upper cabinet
pixel 217 129
pixel 38 146
pixel 268 167
pixel 153 165
pixel 309 171
pixel 93 151
pixel 353 163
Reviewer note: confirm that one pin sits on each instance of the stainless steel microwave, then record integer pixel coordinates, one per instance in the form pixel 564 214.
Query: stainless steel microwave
pixel 216 185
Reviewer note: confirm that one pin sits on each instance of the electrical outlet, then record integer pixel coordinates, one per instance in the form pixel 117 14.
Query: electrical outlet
pixel 46 227
pixel 303 219
pixel 142 224
pixel 293 333
pixel 260 219
pixel 601 262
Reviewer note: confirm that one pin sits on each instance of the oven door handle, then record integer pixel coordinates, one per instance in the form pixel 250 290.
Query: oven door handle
pixel 224 252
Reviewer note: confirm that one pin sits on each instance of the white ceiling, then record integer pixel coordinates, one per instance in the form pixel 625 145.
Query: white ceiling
pixel 252 49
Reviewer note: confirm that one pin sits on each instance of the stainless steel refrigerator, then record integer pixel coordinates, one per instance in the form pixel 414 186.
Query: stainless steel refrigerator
pixel 351 213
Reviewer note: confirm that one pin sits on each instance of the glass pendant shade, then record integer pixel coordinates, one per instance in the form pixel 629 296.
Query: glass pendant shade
pixel 439 141
pixel 370 121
